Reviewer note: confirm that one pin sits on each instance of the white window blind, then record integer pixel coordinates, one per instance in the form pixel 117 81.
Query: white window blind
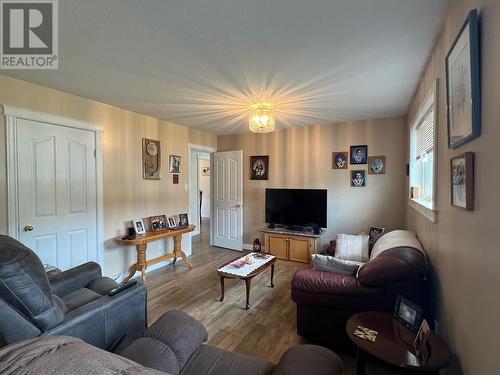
pixel 425 135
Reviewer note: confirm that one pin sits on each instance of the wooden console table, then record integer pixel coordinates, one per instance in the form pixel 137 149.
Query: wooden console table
pixel 141 243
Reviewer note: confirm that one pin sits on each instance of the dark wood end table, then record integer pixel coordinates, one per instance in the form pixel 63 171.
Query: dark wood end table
pixel 394 344
pixel 247 278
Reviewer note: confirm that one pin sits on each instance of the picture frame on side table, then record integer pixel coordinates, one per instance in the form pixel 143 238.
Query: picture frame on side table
pixel 158 222
pixel 171 222
pixel 463 91
pixel 340 160
pixel 408 313
pixel 462 181
pixel 183 220
pixel 139 226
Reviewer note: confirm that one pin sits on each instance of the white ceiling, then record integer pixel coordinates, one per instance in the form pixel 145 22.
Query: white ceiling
pixel 199 63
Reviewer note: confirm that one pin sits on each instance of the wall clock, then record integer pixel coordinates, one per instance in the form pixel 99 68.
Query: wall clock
pixel 151 159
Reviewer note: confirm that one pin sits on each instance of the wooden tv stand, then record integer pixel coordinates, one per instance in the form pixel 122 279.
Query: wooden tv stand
pixel 291 245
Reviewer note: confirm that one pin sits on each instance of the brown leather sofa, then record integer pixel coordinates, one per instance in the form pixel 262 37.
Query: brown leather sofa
pixel 325 300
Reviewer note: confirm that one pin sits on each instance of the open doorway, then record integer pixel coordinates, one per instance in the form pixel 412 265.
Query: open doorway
pixel 199 188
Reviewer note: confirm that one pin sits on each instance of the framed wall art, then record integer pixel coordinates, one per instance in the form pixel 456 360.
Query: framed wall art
pixel 358 178
pixel 376 164
pixel 340 160
pixel 359 154
pixel 259 167
pixel 463 92
pixel 151 159
pixel 462 181
pixel 175 164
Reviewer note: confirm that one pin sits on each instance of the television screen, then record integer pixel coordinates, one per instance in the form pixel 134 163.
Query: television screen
pixel 304 207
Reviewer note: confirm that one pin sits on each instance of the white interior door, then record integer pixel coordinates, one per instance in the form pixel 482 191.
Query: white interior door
pixel 57 199
pixel 227 193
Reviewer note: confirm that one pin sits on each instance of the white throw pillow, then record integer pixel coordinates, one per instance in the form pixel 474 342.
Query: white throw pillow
pixel 350 247
pixel 331 264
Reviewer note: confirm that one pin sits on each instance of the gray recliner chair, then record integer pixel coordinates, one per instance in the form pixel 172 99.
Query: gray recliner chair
pixel 73 303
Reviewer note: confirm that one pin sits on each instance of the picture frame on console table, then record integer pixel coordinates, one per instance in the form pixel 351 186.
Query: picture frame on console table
pixel 462 181
pixel 139 226
pixel 463 91
pixel 158 222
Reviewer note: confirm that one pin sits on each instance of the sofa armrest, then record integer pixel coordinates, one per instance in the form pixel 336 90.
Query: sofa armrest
pixel 321 282
pixel 75 278
pixel 310 360
pixel 393 266
pixel 169 342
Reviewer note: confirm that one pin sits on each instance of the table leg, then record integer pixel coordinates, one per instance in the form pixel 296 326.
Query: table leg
pixel 272 275
pixel 132 270
pixel 222 288
pixel 360 362
pixel 178 251
pixel 141 260
pixel 247 284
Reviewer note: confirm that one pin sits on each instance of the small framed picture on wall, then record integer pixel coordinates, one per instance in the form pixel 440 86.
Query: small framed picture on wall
pixel 358 178
pixel 359 154
pixel 376 164
pixel 340 160
pixel 462 181
pixel 259 167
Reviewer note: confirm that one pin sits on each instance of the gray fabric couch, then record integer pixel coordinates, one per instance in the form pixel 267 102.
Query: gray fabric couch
pixel 172 345
pixel 72 303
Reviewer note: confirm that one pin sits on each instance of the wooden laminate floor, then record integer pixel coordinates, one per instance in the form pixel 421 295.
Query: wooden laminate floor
pixel 264 331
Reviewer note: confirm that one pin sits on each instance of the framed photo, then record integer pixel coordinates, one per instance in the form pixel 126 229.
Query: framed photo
pixel 259 167
pixel 151 159
pixel 205 171
pixel 462 181
pixel 174 164
pixel 158 222
pixel 171 222
pixel 375 232
pixel 183 220
pixel 139 226
pixel 359 154
pixel 340 160
pixel 463 92
pixel 376 164
pixel 358 178
pixel 421 339
pixel 408 314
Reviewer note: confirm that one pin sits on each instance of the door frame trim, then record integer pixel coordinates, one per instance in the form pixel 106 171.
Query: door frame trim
pixel 11 114
pixel 195 147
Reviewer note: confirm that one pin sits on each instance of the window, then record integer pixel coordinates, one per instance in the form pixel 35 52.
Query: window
pixel 423 159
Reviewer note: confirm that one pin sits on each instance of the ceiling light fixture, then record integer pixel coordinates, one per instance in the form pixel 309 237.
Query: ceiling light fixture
pixel 262 118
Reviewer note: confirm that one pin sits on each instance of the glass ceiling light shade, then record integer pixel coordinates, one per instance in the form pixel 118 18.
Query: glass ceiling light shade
pixel 262 118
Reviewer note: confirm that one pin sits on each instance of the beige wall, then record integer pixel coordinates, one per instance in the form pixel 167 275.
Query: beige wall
pixel 126 194
pixel 302 158
pixel 463 246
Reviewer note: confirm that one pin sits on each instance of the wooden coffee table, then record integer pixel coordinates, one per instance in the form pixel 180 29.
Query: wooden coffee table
pixel 247 278
pixel 394 344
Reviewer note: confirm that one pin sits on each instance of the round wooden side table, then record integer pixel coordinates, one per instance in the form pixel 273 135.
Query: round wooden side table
pixel 394 344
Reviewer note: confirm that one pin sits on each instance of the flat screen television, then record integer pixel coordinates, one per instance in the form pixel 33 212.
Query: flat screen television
pixel 296 207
